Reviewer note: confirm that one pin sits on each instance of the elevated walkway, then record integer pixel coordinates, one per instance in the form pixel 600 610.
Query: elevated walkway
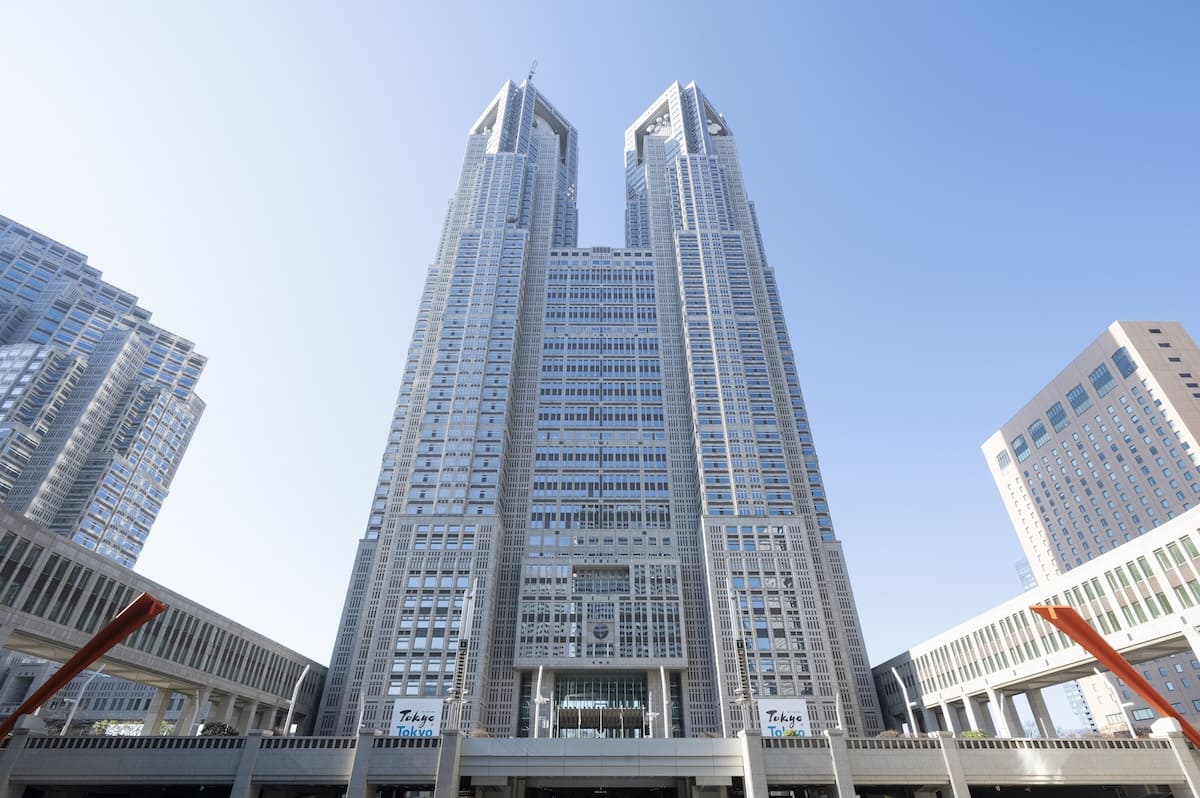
pixel 514 768
pixel 1143 597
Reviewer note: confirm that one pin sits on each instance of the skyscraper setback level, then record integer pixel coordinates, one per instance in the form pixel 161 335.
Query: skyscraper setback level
pixel 609 449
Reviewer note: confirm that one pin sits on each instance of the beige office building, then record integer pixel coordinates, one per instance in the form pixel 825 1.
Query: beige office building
pixel 1101 455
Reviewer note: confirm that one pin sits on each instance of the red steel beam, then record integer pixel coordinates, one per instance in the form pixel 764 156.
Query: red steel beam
pixel 1074 626
pixel 129 620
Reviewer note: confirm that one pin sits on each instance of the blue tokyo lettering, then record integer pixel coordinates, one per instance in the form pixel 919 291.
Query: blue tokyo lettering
pixel 785 731
pixel 402 731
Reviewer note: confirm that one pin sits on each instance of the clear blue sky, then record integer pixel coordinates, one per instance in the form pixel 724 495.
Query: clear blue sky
pixel 957 198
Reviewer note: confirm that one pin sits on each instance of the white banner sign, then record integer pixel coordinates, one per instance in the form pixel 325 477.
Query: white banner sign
pixel 784 717
pixel 417 717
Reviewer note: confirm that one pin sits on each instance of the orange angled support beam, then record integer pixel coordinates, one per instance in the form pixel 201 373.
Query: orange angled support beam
pixel 128 621
pixel 1074 626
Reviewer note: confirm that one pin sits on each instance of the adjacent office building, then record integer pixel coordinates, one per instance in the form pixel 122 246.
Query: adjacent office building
pixel 600 511
pixel 97 406
pixel 1104 453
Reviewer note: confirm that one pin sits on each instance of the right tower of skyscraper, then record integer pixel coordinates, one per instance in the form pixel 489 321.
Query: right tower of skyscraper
pixel 609 449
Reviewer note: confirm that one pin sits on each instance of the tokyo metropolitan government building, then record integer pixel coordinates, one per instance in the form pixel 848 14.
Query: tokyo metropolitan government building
pixel 599 511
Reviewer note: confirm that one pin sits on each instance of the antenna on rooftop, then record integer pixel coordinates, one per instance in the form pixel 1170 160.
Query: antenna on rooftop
pixel 532 69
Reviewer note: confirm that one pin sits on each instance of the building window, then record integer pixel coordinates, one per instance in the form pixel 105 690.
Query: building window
pixel 1002 459
pixel 1124 362
pixel 1020 448
pixel 1102 380
pixel 1079 399
pixel 1143 714
pixel 1037 431
pixel 1057 416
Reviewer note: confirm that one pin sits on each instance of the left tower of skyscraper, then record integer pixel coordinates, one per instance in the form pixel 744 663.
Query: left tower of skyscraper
pixel 457 408
pixel 97 405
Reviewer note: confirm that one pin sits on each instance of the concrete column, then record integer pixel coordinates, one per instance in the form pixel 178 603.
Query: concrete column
pixel 754 765
pixel 954 768
pixel 245 716
pixel 1006 713
pixel 8 760
pixel 358 787
pixel 222 712
pixel 152 722
pixel 1173 732
pixel 267 721
pixel 926 719
pixel 193 708
pixel 843 778
pixel 1193 639
pixel 950 717
pixel 449 759
pixel 983 717
pixel 243 782
pixel 654 703
pixel 1041 715
pixel 969 709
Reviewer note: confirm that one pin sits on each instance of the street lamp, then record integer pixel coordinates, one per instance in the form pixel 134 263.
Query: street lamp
pixel 78 700
pixel 744 695
pixel 908 703
pixel 1125 707
pixel 540 701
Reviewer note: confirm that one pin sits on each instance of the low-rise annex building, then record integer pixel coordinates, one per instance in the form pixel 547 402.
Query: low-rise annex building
pixel 1144 597
pixel 55 595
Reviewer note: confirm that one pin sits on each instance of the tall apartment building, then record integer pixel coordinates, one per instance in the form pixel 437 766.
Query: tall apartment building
pixel 1105 452
pixel 609 450
pixel 97 407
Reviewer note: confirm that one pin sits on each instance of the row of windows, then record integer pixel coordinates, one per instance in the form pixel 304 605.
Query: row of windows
pixel 1102 382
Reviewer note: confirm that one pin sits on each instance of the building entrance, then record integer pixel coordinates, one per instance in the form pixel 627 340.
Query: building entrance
pixel 632 788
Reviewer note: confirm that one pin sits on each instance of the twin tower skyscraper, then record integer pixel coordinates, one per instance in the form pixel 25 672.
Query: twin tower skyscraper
pixel 600 511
